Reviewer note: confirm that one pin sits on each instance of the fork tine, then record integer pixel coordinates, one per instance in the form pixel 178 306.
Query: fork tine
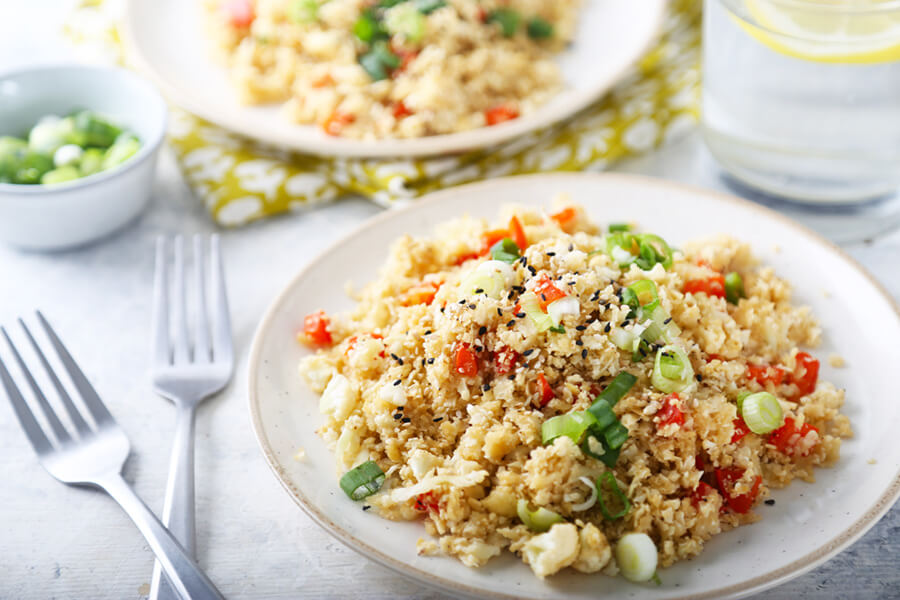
pixel 33 430
pixel 201 334
pixel 181 351
pixel 88 393
pixel 222 344
pixel 161 353
pixel 80 424
pixel 55 424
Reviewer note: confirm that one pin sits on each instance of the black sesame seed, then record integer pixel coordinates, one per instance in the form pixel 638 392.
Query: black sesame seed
pixel 398 416
pixel 400 408
pixel 543 297
pixel 643 352
pixel 626 322
pixel 463 301
pixel 398 382
pixel 511 323
pixel 478 348
pixel 499 313
pixel 394 356
pixel 532 269
pixel 571 283
pixel 479 291
pixel 405 420
pixel 443 308
pixel 527 352
pixel 437 419
pixel 486 387
pixel 423 362
pixel 427 332
pixel 482 330
pixel 579 343
pixel 667 321
pixel 699 377
pixel 366 507
pixel 472 306
pixel 770 501
pixel 511 377
pixel 584 353
pixel 550 253
pixel 608 327
pixel 520 315
pixel 581 327
pixel 431 361
pixel 571 247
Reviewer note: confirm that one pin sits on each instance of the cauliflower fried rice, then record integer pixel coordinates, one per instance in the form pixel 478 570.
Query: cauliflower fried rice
pixel 448 384
pixel 388 69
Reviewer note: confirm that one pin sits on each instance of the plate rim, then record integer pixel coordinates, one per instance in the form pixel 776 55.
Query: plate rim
pixel 422 147
pixel 756 584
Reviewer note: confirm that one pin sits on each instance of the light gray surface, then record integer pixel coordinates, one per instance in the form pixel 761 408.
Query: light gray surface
pixel 58 542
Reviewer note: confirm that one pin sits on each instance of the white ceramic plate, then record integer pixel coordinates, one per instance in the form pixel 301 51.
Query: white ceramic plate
pixel 809 523
pixel 165 38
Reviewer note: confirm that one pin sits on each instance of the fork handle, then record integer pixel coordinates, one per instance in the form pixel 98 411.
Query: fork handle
pixel 178 509
pixel 189 581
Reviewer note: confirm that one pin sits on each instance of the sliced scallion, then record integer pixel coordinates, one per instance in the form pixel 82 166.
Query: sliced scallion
pixel 595 448
pixel 429 6
pixel 636 557
pixel 762 413
pixel 672 370
pixel 379 61
pixel 506 18
pixel 303 11
pixel 617 388
pixel 367 28
pixel 653 250
pixel 603 414
pixel 734 287
pixel 614 227
pixel 615 435
pixel 572 425
pixel 363 480
pixel 558 329
pixel 538 28
pixel 406 20
pixel 531 306
pixel 536 520
pixel 608 489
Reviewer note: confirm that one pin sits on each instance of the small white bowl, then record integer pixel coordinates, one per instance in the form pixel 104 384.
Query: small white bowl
pixel 40 217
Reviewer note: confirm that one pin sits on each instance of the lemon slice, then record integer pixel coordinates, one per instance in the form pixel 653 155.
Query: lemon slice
pixel 838 32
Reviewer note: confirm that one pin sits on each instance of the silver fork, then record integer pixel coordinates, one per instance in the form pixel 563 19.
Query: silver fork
pixel 93 455
pixel 187 377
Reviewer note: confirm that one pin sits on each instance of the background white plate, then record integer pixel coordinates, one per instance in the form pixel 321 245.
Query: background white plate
pixel 808 524
pixel 166 40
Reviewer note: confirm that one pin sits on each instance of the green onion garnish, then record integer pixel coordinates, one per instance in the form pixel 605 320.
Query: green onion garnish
pixel 531 306
pixel 407 21
pixel 762 413
pixel 644 249
pixel 672 371
pixel 607 485
pixel 615 435
pixel 536 520
pixel 362 480
pixel 734 287
pixel 614 227
pixel 379 61
pixel 389 3
pixel 572 425
pixel 558 329
pixel 740 400
pixel 367 28
pixel 616 389
pixel 506 18
pixel 603 414
pixel 505 250
pixel 429 6
pixel 538 28
pixel 303 11
pixel 641 294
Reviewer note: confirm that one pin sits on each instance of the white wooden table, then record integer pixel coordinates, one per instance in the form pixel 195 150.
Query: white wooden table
pixel 60 542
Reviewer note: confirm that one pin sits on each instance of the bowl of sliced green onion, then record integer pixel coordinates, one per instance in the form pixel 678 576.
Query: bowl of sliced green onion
pixel 78 148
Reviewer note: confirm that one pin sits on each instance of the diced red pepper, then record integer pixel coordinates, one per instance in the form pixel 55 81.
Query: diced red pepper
pixel 427 502
pixel 711 357
pixel 805 374
pixel 670 413
pixel 240 13
pixel 466 258
pixel 500 113
pixel 740 503
pixel 547 393
pixel 740 430
pixel 489 238
pixel 505 361
pixel 401 111
pixel 766 373
pixel 315 329
pixel 712 286
pixel 565 218
pixel 700 493
pixel 323 81
pixel 336 122
pixel 517 233
pixel 546 292
pixel 421 293
pixel 786 437
pixel 466 361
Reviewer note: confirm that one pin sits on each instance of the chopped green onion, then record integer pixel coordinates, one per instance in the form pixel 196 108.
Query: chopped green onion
pixel 740 400
pixel 505 250
pixel 60 175
pixel 405 20
pixel 558 329
pixel 572 425
pixel 641 294
pixel 537 520
pixel 362 480
pixel 567 305
pixel 531 306
pixel 653 250
pixel 594 448
pixel 672 371
pixel 506 18
pixel 491 278
pixel 734 287
pixel 614 227
pixel 303 11
pixel 91 161
pixel 429 6
pixel 616 389
pixel 389 3
pixel 636 557
pixel 615 435
pixel 762 413
pixel 608 481
pixel 379 61
pixel 538 28
pixel 125 147
pixel 367 28
pixel 603 414
pixel 95 130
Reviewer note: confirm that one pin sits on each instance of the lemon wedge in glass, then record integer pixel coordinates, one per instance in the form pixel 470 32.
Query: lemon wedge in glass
pixel 832 31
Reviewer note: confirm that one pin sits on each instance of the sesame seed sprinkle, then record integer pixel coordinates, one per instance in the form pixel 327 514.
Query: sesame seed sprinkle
pixel 527 352
pixel 438 419
pixel 405 420
pixel 608 327
pixel 479 291
pixel 511 377
pixel 398 382
pixel 511 323
pixel 431 361
pixel 551 253
pixel 520 315
pixel 486 387
pixel 581 327
pixel 482 330
pixel 579 343
pixel 398 416
pixel 584 353
pixel 472 306
pixel 463 301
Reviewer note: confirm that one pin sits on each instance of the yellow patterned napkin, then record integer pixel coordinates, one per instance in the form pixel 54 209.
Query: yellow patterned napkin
pixel 241 181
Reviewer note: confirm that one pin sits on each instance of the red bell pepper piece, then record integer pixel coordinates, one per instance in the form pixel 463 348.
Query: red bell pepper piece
pixel 546 292
pixel 712 286
pixel 670 413
pixel 505 361
pixel 500 113
pixel 517 233
pixel 315 329
pixel 805 374
pixel 740 430
pixel 786 437
pixel 740 503
pixel 547 393
pixel 466 361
